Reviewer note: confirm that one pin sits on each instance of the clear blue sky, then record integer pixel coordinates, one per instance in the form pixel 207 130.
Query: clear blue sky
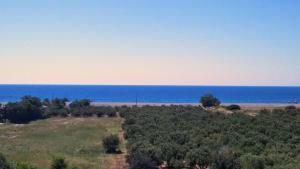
pixel 180 42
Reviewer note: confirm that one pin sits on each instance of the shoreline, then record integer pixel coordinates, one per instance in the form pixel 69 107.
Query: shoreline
pixel 243 105
pixel 247 106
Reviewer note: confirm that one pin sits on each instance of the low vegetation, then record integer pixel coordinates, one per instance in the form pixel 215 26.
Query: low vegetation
pixel 188 137
pixel 78 140
pixel 169 137
pixel 32 108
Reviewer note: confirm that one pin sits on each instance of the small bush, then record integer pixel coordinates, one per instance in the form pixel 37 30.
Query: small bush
pixel 233 107
pixel 111 143
pixel 209 101
pixel 291 107
pixel 59 163
pixel 3 163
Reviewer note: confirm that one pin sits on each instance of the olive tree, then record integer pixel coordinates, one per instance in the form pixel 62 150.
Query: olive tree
pixel 209 101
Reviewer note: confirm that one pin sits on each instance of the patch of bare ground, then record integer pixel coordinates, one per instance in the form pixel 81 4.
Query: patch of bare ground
pixel 119 160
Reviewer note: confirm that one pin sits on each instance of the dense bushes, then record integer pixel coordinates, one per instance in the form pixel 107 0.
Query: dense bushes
pixel 187 137
pixel 28 109
pixel 55 107
pixel 31 108
pixel 111 143
pixel 98 111
pixel 80 103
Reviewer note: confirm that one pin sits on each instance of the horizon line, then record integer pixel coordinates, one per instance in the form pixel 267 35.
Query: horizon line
pixel 183 85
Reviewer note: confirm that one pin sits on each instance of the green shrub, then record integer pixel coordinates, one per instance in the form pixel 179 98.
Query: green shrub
pixel 291 107
pixel 19 165
pixel 209 101
pixel 3 163
pixel 111 143
pixel 28 109
pixel 59 163
pixel 233 107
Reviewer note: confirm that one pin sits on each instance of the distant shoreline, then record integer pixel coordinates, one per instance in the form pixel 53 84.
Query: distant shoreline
pixel 248 106
pixel 243 105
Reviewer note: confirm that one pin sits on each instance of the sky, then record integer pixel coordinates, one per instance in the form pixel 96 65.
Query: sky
pixel 150 42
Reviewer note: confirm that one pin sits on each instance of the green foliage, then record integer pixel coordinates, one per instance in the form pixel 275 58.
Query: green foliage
pixel 87 111
pixel 80 103
pixel 141 161
pixel 31 108
pixel 28 109
pixel 59 163
pixel 199 156
pixel 55 107
pixel 226 158
pixel 19 165
pixel 233 107
pixel 2 114
pixel 291 107
pixel 209 101
pixel 187 136
pixel 111 143
pixel 3 163
pixel 249 161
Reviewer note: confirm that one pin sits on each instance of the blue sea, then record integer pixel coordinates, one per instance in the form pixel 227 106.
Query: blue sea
pixel 152 94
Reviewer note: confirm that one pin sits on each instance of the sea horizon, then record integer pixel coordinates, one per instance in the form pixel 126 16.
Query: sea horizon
pixel 153 94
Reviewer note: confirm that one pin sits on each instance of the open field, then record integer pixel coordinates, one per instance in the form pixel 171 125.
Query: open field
pixel 76 139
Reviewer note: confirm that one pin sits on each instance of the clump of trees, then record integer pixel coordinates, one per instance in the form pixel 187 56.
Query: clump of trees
pixel 55 107
pixel 209 101
pixel 111 143
pixel 31 108
pixel 28 109
pixel 188 137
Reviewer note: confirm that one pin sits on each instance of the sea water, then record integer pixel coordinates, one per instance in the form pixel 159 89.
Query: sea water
pixel 153 94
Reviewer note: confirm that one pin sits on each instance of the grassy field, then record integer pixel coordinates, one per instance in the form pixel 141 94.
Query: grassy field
pixel 76 139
